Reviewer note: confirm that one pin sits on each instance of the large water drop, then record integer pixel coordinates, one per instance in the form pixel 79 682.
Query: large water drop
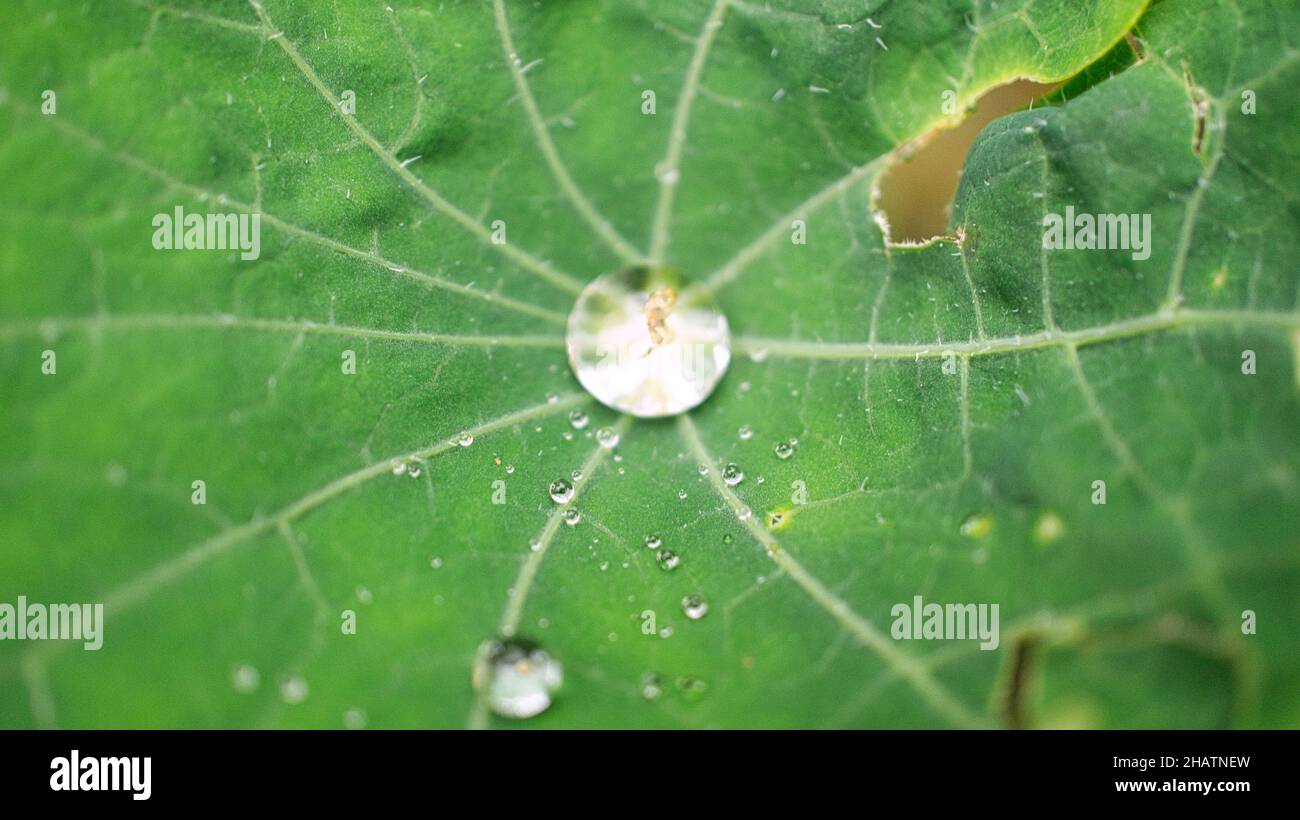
pixel 645 341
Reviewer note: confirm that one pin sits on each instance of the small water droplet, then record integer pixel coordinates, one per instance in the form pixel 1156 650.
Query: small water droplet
pixel 355 719
pixel 692 688
pixel 516 677
pixel 745 432
pixel 551 398
pixel 435 562
pixel 727 539
pixel 652 687
pixel 413 470
pixel 399 467
pixel 572 517
pixel 510 469
pixel 293 690
pixel 578 419
pixel 534 544
pixel 681 495
pixel 785 449
pixel 465 439
pixel 365 596
pixel 654 542
pixel 732 475
pixel 245 678
pixel 561 491
pixel 668 560
pixel 667 175
pixel 576 475
pixel 607 438
pixel 695 607
pixel 743 514
pixel 703 469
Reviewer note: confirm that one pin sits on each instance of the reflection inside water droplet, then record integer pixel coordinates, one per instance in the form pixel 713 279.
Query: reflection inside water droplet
pixel 647 342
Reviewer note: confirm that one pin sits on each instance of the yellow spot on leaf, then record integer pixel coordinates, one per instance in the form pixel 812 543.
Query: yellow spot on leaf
pixel 780 518
pixel 978 525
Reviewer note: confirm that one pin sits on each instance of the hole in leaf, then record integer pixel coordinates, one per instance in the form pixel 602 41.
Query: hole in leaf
pixel 916 192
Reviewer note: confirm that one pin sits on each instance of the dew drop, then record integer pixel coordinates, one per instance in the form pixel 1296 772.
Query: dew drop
pixel 727 539
pixel 681 495
pixel 293 690
pixel 668 560
pixel 652 687
pixel 732 475
pixel 516 677
pixel 245 678
pixel 607 438
pixel 465 439
pixel 654 542
pixel 578 419
pixel 435 562
pixel 645 341
pixel 399 467
pixel 785 449
pixel 534 544
pixel 692 688
pixel 745 433
pixel 703 469
pixel 695 607
pixel 572 517
pixel 561 491
pixel 355 719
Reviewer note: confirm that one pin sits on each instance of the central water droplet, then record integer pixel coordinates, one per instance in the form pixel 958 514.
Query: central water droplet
pixel 645 341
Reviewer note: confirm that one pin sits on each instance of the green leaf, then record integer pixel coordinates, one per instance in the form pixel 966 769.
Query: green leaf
pixel 954 403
